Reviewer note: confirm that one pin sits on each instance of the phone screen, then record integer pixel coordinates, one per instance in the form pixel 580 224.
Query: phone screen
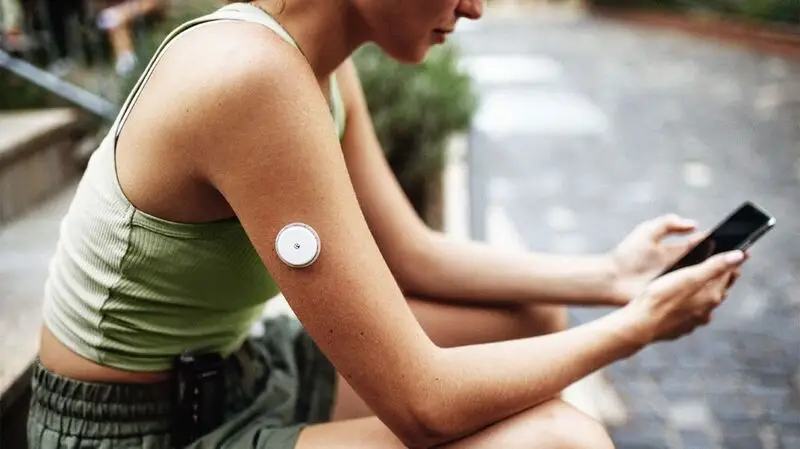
pixel 739 229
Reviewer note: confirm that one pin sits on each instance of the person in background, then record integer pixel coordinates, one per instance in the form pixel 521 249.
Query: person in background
pixel 11 15
pixel 60 14
pixel 117 21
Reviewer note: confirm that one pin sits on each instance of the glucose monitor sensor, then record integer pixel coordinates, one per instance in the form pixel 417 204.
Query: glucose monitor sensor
pixel 297 245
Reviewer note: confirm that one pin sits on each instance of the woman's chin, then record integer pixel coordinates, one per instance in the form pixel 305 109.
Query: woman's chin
pixel 414 55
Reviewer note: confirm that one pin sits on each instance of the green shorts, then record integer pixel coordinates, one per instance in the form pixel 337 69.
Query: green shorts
pixel 276 384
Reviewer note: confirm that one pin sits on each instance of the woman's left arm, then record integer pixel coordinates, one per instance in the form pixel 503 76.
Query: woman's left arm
pixel 428 264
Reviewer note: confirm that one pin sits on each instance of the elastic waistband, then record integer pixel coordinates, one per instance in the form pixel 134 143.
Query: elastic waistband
pixel 99 410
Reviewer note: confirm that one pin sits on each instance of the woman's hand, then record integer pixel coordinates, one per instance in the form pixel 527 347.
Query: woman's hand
pixel 677 303
pixel 644 254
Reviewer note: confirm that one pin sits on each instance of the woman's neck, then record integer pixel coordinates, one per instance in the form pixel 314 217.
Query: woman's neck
pixel 327 31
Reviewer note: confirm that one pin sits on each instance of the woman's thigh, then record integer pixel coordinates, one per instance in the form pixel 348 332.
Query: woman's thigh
pixel 450 324
pixel 552 425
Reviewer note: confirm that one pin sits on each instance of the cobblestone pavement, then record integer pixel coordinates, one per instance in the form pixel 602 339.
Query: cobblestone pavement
pixel 589 127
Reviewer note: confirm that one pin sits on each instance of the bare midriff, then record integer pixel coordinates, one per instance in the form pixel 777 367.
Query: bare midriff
pixel 59 359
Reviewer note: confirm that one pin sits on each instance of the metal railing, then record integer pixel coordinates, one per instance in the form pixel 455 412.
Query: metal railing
pixel 78 96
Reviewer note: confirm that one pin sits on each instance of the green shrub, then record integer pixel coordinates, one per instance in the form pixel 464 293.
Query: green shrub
pixel 779 11
pixel 415 109
pixel 787 11
pixel 17 93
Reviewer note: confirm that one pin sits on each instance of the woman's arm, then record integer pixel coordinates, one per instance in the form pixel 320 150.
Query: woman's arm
pixel 427 263
pixel 261 134
pixel 478 271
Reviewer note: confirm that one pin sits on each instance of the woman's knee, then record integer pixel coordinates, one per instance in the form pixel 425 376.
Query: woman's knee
pixel 544 319
pixel 552 425
pixel 568 428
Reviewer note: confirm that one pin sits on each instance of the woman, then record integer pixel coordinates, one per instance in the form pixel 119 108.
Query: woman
pixel 178 234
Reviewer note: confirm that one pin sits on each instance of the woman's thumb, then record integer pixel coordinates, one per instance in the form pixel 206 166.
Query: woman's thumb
pixel 696 276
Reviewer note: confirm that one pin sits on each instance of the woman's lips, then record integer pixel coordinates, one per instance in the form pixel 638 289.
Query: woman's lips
pixel 440 34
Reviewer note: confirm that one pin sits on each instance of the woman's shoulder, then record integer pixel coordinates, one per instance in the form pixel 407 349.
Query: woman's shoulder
pixel 216 93
pixel 213 72
pixel 218 53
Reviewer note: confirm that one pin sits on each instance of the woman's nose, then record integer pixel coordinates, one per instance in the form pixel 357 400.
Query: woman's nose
pixel 471 9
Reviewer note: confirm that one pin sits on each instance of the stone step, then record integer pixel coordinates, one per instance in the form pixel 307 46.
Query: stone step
pixel 26 246
pixel 39 167
pixel 38 156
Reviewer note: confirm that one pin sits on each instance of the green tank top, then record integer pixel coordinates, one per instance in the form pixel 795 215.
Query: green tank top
pixel 130 290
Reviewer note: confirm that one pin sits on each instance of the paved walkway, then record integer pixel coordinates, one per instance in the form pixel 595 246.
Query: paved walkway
pixel 588 128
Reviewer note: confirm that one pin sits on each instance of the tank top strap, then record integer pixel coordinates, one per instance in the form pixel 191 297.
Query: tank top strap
pixel 252 13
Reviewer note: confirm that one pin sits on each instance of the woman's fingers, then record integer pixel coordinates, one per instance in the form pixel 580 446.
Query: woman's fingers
pixel 661 227
pixel 677 250
pixel 697 238
pixel 705 318
pixel 681 331
pixel 690 280
pixel 733 278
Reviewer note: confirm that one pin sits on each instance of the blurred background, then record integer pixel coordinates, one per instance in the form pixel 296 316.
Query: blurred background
pixel 552 126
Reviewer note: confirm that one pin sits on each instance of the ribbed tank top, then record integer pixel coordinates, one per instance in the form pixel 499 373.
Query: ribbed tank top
pixel 130 290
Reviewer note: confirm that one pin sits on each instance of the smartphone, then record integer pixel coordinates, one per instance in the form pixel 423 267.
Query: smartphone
pixel 738 230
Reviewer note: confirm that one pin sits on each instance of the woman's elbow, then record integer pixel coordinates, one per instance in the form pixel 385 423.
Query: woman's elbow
pixel 425 422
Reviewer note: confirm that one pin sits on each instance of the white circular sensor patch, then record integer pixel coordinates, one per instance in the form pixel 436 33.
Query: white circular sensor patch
pixel 297 245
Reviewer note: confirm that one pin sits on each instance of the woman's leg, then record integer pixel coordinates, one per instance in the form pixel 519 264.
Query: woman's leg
pixel 57 16
pixel 121 38
pixel 457 325
pixel 451 324
pixel 552 425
